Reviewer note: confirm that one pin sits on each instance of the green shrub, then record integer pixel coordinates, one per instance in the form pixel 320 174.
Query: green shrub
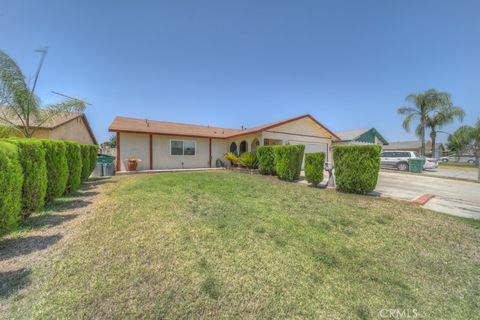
pixel 11 181
pixel 57 168
pixel 93 157
pixel 266 159
pixel 248 160
pixel 288 161
pixel 85 151
pixel 314 167
pixel 74 161
pixel 31 155
pixel 356 168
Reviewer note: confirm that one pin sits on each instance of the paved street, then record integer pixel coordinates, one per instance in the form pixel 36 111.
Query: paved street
pixel 459 198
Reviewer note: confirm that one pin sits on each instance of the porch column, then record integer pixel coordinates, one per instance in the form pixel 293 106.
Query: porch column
pixel 210 152
pixel 151 153
pixel 118 151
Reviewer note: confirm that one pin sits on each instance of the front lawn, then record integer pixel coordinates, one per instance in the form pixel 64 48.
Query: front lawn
pixel 232 245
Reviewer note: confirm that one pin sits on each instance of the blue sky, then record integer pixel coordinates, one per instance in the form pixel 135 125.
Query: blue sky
pixel 231 63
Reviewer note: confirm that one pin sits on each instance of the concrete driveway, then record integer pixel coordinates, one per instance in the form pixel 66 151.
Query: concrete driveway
pixel 454 197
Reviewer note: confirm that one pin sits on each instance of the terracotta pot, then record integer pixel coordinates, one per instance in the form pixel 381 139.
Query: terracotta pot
pixel 132 165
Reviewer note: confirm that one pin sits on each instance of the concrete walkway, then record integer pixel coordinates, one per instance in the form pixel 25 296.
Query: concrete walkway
pixel 120 173
pixel 454 197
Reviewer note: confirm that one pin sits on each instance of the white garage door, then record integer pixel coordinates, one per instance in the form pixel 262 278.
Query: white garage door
pixel 312 147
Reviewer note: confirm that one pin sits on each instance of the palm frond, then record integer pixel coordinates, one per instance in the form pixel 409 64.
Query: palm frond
pixel 408 119
pixel 52 110
pixel 407 110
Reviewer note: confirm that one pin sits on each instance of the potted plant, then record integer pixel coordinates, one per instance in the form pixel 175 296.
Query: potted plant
pixel 132 164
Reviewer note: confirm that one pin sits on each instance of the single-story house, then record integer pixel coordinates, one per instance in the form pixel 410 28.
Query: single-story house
pixel 68 126
pixel 170 145
pixel 361 136
pixel 416 146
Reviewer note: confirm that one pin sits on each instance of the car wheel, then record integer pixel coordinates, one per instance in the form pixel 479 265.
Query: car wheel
pixel 444 160
pixel 402 166
pixel 471 161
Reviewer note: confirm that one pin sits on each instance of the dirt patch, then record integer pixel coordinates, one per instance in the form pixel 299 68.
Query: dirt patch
pixel 46 233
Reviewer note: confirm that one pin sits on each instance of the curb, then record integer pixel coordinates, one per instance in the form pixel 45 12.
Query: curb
pixel 424 198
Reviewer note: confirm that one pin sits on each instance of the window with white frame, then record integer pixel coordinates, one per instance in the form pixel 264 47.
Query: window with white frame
pixel 182 147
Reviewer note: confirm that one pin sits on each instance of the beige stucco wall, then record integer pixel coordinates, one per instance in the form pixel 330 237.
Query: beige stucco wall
pixel 138 146
pixel 75 130
pixel 135 146
pixel 303 130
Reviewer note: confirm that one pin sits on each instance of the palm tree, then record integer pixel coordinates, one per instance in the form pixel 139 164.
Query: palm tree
pixel 424 104
pixel 437 120
pixel 20 109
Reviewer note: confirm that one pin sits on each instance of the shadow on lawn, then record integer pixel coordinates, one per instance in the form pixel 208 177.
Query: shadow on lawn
pixel 11 248
pixel 12 281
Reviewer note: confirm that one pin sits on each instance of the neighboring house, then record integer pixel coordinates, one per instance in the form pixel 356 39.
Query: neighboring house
pixel 361 136
pixel 169 145
pixel 71 126
pixel 416 146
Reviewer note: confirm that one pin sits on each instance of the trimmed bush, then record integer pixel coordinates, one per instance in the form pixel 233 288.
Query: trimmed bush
pixel 85 151
pixel 288 161
pixel 74 162
pixel 11 181
pixel 314 167
pixel 356 168
pixel 93 157
pixel 266 159
pixel 248 160
pixel 31 155
pixel 57 168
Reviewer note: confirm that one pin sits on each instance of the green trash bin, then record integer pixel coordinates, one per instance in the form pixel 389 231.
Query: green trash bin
pixel 416 165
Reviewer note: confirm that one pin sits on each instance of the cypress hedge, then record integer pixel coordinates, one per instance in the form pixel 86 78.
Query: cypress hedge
pixel 266 159
pixel 288 161
pixel 11 181
pixel 31 155
pixel 57 168
pixel 85 151
pixel 314 167
pixel 74 161
pixel 93 157
pixel 356 168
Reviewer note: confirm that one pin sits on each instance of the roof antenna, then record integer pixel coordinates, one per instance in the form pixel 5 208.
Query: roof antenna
pixel 146 121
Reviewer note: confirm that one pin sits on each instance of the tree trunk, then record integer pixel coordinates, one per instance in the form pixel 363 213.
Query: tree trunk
pixel 433 136
pixel 422 122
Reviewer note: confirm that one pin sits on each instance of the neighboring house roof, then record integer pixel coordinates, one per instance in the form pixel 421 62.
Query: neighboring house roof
pixel 133 125
pixel 362 135
pixel 52 123
pixel 415 144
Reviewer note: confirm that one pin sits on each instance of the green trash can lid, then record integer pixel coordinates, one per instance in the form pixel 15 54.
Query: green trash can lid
pixel 105 158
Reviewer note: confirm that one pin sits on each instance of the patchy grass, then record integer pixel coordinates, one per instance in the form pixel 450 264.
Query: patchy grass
pixel 458 165
pixel 231 245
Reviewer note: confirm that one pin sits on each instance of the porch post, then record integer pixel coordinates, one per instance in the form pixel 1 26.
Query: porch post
pixel 118 151
pixel 151 154
pixel 210 152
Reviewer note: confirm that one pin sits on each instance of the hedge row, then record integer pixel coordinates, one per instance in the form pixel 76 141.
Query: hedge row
pixel 35 172
pixel 11 180
pixel 284 161
pixel 314 162
pixel 356 168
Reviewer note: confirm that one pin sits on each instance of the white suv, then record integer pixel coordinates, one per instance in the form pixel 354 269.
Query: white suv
pixel 399 160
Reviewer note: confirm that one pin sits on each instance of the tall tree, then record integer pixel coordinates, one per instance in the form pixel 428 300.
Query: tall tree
pixel 437 119
pixel 424 104
pixel 20 109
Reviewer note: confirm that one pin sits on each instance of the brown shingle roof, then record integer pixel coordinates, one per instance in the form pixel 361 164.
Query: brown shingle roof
pixel 54 122
pixel 162 127
pixel 124 124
